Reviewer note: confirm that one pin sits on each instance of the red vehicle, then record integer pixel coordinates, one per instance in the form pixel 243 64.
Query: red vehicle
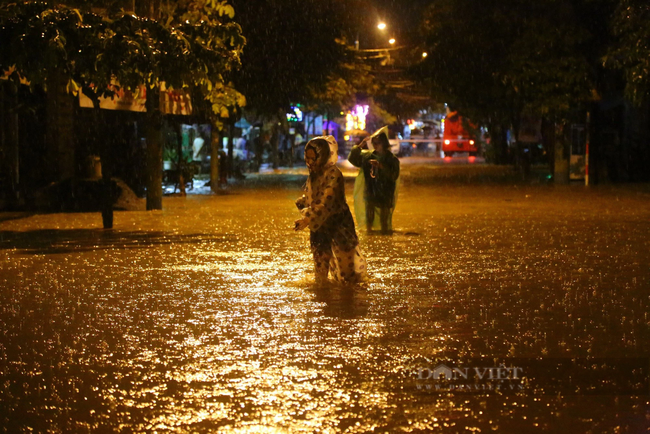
pixel 455 137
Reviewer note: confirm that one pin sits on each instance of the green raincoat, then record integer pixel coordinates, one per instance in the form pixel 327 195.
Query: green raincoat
pixel 374 187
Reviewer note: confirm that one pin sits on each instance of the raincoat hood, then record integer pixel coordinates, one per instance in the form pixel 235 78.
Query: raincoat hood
pixel 326 154
pixel 383 130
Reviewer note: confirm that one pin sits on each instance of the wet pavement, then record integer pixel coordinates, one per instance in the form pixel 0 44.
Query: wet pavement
pixel 204 317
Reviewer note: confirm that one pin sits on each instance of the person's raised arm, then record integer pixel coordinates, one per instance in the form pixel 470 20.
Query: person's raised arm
pixel 355 153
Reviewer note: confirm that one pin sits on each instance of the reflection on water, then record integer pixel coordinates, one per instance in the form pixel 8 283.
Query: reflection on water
pixel 205 316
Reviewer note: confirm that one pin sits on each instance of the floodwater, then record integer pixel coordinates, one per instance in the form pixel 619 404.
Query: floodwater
pixel 204 317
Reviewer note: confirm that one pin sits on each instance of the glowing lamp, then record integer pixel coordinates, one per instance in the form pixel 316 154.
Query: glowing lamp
pixel 349 121
pixel 356 118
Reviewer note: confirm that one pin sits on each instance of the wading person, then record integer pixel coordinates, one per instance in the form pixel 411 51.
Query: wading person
pixel 375 187
pixel 325 212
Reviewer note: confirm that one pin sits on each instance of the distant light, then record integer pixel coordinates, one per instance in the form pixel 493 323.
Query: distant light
pixel 391 41
pixel 346 137
pixel 361 113
pixel 295 115
pixel 471 159
pixel 425 54
pixel 349 121
pixel 381 26
pixel 471 142
pixel 356 118
pixel 447 142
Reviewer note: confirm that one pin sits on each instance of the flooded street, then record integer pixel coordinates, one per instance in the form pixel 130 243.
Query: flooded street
pixel 204 317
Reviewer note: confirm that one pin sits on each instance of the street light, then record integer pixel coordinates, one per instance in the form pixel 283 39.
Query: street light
pixel 425 54
pixel 381 26
pixel 391 41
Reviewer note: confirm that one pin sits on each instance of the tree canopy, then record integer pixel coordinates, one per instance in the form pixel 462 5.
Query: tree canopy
pixel 496 58
pixel 292 52
pixel 631 53
pixel 194 43
pixel 499 57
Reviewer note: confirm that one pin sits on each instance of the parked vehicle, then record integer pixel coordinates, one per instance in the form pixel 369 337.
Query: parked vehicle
pixel 456 137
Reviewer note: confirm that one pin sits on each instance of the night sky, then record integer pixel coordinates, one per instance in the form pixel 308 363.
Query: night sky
pixel 402 18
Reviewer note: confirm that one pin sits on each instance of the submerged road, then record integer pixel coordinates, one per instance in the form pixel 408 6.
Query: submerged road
pixel 204 317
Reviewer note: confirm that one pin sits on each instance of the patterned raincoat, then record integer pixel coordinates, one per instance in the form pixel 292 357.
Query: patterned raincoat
pixel 333 238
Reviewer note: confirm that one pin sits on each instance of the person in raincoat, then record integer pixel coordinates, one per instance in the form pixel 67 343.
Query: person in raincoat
pixel 325 212
pixel 375 188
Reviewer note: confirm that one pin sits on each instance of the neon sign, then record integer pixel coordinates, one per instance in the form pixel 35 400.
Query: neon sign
pixel 355 119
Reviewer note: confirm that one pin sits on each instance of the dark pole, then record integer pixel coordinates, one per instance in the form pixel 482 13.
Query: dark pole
pixel 231 136
pixel 154 150
pixel 214 156
pixel 106 188
pixel 181 159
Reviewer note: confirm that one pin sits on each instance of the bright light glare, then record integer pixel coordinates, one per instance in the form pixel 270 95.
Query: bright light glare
pixel 425 54
pixel 391 41
pixel 356 119
pixel 381 26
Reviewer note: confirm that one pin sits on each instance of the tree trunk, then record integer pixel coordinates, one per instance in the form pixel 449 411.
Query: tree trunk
pixel 180 163
pixel 292 145
pixel 326 124
pixel 10 147
pixel 59 129
pixel 105 158
pixel 562 155
pixel 231 157
pixel 312 125
pixel 154 150
pixel 548 142
pixel 214 158
pixel 275 143
pixel 499 142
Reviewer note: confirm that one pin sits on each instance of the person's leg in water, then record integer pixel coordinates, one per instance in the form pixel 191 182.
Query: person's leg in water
pixel 351 265
pixel 322 260
pixel 370 215
pixel 384 214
